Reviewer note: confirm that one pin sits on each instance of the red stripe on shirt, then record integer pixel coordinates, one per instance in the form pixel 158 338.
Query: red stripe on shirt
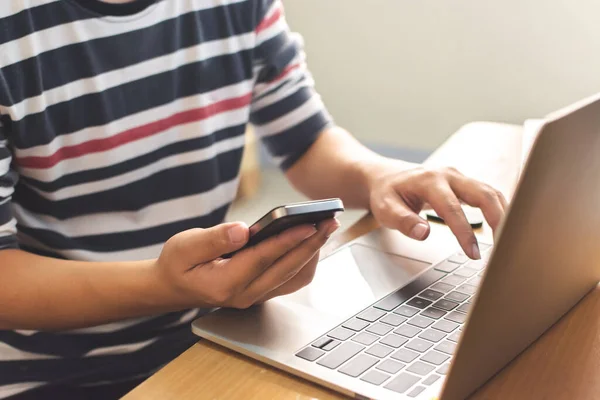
pixel 133 134
pixel 270 20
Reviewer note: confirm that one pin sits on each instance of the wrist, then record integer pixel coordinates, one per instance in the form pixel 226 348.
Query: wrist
pixel 157 291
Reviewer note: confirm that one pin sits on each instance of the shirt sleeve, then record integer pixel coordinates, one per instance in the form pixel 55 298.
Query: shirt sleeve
pixel 8 180
pixel 287 113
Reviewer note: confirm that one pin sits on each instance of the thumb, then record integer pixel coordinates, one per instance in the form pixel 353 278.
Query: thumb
pixel 201 245
pixel 399 216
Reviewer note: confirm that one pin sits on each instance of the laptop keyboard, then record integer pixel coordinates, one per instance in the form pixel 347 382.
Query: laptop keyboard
pixel 405 341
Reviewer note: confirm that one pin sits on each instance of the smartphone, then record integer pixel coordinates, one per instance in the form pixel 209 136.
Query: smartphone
pixel 284 217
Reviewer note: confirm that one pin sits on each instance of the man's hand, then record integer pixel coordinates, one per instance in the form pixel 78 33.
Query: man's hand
pixel 397 197
pixel 192 274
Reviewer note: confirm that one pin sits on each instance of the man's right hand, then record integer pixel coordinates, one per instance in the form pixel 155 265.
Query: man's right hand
pixel 192 273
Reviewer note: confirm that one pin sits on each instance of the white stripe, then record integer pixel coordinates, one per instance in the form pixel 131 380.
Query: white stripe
pixel 275 29
pixel 6 192
pixel 4 164
pixel 100 83
pixel 176 160
pixel 14 7
pixel 120 349
pixel 8 229
pixel 125 221
pixel 110 328
pixel 135 120
pixel 10 390
pixel 291 85
pixel 9 353
pixel 87 30
pixel 291 119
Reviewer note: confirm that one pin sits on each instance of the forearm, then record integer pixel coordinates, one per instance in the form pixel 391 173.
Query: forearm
pixel 41 293
pixel 344 168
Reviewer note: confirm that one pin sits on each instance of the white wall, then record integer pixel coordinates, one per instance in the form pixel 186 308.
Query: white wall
pixel 410 72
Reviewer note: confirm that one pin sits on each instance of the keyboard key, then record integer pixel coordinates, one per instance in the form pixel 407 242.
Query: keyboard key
pixel 420 368
pixel 375 377
pixel 464 308
pixel 419 345
pixel 443 369
pixel 400 296
pixel 476 281
pixel 379 350
pixel 406 311
pixel 430 294
pixel 477 264
pixel 459 258
pixel 321 342
pixel 442 287
pixel 457 296
pixel 432 335
pixel 371 315
pixel 341 334
pixel 445 326
pixel 393 319
pixel 435 358
pixel 405 355
pixel 358 365
pixel 433 313
pixel 419 302
pixel 394 340
pixel 445 304
pixel 331 345
pixel 431 379
pixel 420 322
pixel 445 347
pixel 457 317
pixel 365 338
pixel 355 324
pixel 466 272
pixel 343 353
pixel 407 330
pixel 390 366
pixel 310 353
pixel 454 337
pixel 453 280
pixel 446 266
pixel 416 391
pixel 379 329
pixel 402 382
pixel 468 289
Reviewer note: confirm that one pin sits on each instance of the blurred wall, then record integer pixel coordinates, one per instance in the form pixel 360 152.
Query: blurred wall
pixel 410 72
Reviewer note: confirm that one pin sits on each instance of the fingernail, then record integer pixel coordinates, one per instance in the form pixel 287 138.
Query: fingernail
pixel 237 233
pixel 419 231
pixel 332 228
pixel 476 253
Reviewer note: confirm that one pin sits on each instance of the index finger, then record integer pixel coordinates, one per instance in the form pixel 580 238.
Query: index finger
pixel 445 203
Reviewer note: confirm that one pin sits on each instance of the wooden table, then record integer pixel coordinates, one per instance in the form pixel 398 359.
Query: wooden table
pixel 563 364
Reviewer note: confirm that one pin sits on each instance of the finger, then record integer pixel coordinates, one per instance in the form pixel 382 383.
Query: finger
pixel 303 278
pixel 245 266
pixel 479 195
pixel 291 264
pixel 446 205
pixel 395 214
pixel 196 246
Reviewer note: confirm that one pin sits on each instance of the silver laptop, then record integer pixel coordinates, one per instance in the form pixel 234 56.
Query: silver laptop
pixel 390 318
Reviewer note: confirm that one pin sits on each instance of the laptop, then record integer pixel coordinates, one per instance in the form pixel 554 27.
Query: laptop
pixel 390 318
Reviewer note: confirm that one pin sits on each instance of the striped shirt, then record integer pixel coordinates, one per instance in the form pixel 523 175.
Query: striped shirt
pixel 121 125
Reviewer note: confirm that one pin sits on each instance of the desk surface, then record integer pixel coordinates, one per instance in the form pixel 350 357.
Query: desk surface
pixel 563 364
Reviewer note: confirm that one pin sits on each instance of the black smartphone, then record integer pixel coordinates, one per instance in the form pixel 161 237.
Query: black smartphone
pixel 284 217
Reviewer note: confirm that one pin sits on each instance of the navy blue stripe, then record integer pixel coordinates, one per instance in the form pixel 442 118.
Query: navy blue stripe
pixel 97 174
pixel 5 213
pixel 276 54
pixel 294 142
pixel 8 242
pixel 98 109
pixel 57 67
pixel 173 183
pixel 281 86
pixel 122 241
pixel 173 342
pixel 39 18
pixel 117 9
pixel 282 107
pixel 8 180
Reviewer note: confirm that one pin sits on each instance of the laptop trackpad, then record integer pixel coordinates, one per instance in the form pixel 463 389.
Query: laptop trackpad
pixel 354 278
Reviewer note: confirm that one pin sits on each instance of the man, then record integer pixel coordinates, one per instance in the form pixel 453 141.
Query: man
pixel 122 130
